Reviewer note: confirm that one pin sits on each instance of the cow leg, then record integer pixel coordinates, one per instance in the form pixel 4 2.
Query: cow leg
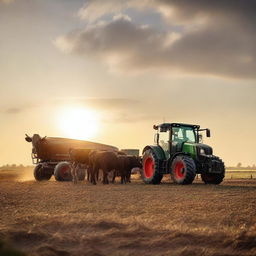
pixel 97 174
pixel 105 177
pixel 90 173
pixel 123 180
pixel 88 170
pixel 74 171
pixel 128 176
pixel 114 176
pixel 95 169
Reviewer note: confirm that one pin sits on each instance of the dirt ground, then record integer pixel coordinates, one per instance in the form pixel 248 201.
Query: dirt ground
pixel 59 218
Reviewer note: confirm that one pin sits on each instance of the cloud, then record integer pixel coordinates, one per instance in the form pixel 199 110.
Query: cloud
pixel 119 42
pixel 179 11
pixel 217 48
pixel 13 110
pixel 6 1
pixel 20 108
pixel 99 103
pixel 110 103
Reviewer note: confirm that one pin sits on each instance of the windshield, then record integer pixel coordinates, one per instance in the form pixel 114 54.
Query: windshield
pixel 183 134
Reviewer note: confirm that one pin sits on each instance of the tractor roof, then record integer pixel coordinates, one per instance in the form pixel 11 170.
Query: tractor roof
pixel 167 126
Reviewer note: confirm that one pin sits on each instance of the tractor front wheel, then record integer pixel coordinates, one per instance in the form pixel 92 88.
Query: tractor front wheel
pixel 62 172
pixel 41 173
pixel 214 178
pixel 150 173
pixel 183 170
pixel 210 178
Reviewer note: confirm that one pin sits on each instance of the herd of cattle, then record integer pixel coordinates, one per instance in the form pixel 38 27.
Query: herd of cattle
pixel 117 163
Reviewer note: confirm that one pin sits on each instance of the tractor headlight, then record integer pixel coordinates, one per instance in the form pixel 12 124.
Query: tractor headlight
pixel 202 152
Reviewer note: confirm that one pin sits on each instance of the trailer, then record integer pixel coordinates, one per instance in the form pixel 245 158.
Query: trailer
pixel 51 156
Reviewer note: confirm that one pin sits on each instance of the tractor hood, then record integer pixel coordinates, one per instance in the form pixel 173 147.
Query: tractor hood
pixel 203 149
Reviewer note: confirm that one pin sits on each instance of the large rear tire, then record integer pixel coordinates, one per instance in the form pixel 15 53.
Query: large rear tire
pixel 183 170
pixel 151 173
pixel 41 173
pixel 62 172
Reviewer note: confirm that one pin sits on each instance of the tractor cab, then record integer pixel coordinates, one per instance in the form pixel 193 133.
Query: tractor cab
pixel 173 137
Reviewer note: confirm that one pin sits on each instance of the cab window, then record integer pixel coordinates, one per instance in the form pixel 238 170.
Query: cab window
pixel 183 134
pixel 164 140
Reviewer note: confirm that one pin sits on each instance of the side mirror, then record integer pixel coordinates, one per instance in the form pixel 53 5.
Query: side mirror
pixel 208 133
pixel 156 138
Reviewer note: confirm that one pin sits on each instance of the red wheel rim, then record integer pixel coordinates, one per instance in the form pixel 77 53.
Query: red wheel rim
pixel 64 171
pixel 149 167
pixel 179 170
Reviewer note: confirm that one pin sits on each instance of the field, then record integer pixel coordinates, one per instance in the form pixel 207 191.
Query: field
pixel 53 218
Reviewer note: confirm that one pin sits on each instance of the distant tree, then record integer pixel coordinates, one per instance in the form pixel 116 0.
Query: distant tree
pixel 254 166
pixel 239 165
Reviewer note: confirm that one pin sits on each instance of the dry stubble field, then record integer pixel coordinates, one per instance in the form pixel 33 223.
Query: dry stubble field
pixel 53 218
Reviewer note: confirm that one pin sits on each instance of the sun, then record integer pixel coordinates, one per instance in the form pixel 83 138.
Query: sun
pixel 78 122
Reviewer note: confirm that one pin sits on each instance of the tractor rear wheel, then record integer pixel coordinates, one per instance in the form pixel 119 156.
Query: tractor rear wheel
pixel 183 170
pixel 41 173
pixel 151 173
pixel 62 172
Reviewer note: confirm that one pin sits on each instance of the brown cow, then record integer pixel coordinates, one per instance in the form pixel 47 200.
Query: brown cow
pixel 78 158
pixel 123 167
pixel 125 164
pixel 106 161
pixel 134 162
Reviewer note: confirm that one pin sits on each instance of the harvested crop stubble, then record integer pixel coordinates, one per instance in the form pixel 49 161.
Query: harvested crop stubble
pixel 53 218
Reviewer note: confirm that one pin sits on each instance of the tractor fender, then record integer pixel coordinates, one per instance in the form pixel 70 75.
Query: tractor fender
pixel 157 150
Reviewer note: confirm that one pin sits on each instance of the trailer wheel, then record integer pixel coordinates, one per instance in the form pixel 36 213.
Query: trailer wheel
pixel 62 172
pixel 150 172
pixel 41 173
pixel 183 170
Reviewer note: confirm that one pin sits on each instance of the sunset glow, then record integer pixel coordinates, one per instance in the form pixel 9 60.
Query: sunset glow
pixel 78 123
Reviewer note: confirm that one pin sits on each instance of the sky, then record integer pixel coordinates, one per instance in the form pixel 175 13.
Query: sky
pixel 124 66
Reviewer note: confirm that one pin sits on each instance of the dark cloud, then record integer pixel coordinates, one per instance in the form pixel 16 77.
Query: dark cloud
pixel 187 9
pixel 6 1
pixel 20 108
pixel 217 37
pixel 13 110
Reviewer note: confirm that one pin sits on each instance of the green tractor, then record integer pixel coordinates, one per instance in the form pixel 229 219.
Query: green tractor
pixel 178 151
